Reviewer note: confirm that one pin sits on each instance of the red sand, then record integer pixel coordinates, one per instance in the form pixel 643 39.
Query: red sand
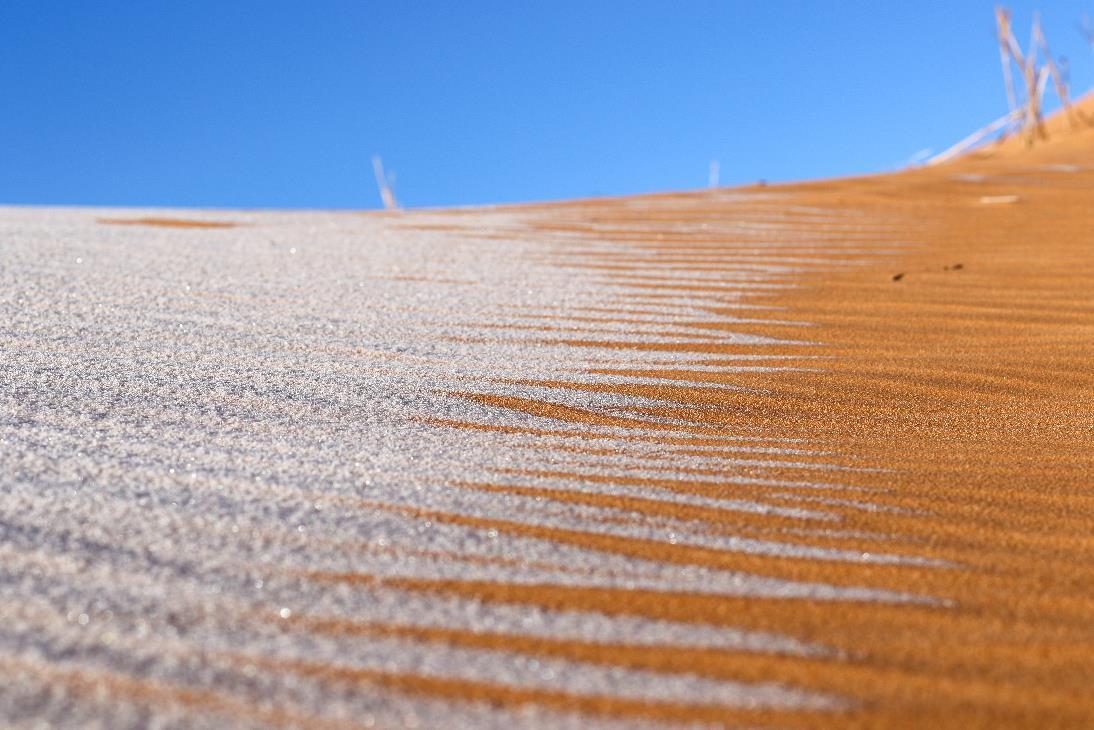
pixel 167 222
pixel 966 367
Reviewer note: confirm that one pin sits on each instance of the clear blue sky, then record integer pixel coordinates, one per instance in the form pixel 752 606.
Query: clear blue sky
pixel 281 104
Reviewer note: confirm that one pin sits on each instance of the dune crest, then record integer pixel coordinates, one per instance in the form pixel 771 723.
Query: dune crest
pixel 813 455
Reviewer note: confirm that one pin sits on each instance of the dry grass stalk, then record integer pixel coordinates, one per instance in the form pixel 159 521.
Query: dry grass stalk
pixel 1026 117
pixel 387 192
pixel 1035 78
pixel 1053 70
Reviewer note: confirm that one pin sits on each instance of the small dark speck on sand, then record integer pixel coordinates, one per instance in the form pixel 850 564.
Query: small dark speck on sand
pixel 898 277
pixel 955 267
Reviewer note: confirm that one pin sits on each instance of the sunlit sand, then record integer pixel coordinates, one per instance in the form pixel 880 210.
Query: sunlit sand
pixel 816 455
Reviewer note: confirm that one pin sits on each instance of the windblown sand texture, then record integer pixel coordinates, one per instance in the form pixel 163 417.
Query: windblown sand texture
pixel 803 456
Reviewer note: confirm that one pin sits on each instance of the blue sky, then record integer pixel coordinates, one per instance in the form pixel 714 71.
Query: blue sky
pixel 282 104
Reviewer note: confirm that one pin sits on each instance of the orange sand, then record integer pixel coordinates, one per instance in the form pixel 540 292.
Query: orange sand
pixel 964 367
pixel 167 222
pixel 959 372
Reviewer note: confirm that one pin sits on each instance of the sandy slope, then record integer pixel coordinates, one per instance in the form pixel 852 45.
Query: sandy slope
pixel 693 458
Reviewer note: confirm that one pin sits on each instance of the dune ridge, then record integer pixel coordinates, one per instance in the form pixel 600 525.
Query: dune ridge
pixel 813 455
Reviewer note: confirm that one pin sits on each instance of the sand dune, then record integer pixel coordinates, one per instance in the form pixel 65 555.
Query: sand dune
pixel 811 456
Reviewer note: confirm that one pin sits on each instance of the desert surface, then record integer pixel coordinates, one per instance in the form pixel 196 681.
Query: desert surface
pixel 813 455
